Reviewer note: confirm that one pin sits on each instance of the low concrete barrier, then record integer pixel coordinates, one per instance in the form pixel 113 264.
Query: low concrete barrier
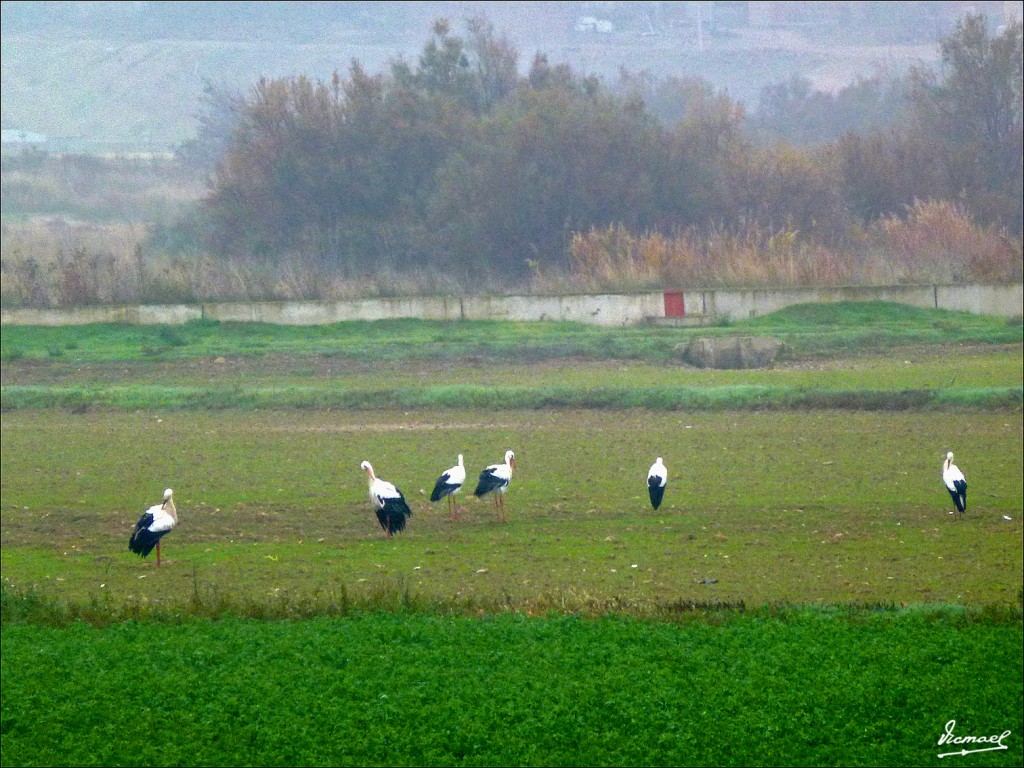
pixel 677 307
pixel 745 304
pixel 146 314
pixel 326 312
pixel 594 309
pixel 1001 300
pixel 602 309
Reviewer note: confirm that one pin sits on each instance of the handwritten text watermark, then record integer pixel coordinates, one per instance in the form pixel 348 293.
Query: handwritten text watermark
pixel 951 738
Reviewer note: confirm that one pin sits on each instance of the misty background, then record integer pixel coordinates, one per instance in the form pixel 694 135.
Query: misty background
pixel 127 76
pixel 194 151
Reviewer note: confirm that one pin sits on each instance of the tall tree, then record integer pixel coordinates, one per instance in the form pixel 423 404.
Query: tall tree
pixel 559 156
pixel 793 111
pixel 972 110
pixel 476 72
pixel 220 110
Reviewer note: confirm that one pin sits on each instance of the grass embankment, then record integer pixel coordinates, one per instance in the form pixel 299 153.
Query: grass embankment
pixel 805 329
pixel 421 364
pixel 796 687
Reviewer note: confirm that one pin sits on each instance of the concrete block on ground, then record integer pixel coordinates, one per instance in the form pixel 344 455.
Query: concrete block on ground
pixel 731 352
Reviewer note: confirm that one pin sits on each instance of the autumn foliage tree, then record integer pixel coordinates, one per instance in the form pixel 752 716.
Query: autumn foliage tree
pixel 973 111
pixel 456 165
pixel 965 141
pixel 341 171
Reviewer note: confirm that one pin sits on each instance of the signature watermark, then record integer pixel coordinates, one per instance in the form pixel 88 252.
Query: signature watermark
pixel 951 738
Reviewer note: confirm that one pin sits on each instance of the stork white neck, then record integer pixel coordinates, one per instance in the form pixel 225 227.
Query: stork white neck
pixel 168 504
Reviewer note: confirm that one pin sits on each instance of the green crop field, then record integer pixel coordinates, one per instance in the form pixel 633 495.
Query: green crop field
pixel 802 597
pixel 811 688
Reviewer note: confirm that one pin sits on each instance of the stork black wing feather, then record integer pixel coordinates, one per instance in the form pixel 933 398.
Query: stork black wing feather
pixel 488 482
pixel 657 491
pixel 142 539
pixel 960 495
pixel 442 488
pixel 393 514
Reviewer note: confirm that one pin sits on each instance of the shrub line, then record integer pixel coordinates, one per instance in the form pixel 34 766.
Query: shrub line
pixel 31 607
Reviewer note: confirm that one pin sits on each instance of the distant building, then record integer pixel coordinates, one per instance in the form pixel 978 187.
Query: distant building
pixel 18 136
pixel 776 13
pixel 909 21
pixel 592 24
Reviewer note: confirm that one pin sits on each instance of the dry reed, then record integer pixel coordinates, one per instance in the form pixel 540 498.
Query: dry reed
pixel 934 242
pixel 51 262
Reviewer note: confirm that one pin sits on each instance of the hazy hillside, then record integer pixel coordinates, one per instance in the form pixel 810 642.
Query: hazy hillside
pixel 107 75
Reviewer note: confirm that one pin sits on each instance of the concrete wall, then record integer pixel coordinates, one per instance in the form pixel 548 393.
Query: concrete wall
pixel 326 312
pixel 1002 300
pixel 594 309
pixel 610 309
pixel 171 314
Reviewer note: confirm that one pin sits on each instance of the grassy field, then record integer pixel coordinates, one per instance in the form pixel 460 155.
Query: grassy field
pixel 802 597
pixel 803 508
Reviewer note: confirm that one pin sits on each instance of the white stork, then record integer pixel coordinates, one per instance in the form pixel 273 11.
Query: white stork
pixel 955 482
pixel 657 478
pixel 388 502
pixel 153 526
pixel 496 477
pixel 448 484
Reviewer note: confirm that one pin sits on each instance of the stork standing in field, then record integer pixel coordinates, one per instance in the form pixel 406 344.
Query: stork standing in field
pixel 153 526
pixel 388 502
pixel 497 477
pixel 955 482
pixel 657 478
pixel 448 484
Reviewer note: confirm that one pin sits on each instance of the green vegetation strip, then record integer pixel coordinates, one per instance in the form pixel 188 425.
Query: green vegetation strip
pixel 666 398
pixel 792 687
pixel 807 329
